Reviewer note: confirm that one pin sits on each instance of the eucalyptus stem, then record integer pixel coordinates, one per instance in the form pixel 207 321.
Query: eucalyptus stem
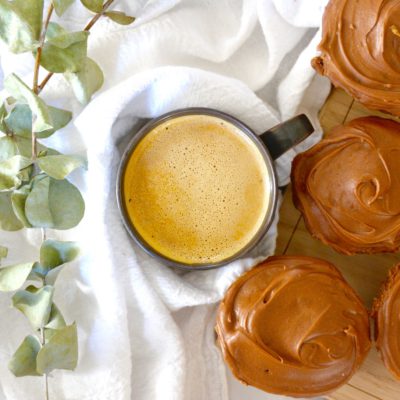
pixel 87 28
pixel 46 380
pixel 36 70
pixel 34 145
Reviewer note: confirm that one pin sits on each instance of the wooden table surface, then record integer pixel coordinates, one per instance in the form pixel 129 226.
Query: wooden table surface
pixel 364 273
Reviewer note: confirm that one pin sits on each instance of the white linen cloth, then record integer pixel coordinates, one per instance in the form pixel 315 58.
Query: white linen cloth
pixel 146 331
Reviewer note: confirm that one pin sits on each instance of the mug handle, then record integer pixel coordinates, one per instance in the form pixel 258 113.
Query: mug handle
pixel 286 135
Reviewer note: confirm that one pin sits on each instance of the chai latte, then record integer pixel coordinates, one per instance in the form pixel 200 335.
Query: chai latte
pixel 196 189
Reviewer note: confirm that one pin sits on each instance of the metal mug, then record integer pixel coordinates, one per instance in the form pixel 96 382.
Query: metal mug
pixel 271 144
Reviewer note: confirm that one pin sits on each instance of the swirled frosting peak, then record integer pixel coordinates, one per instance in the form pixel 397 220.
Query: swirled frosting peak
pixel 360 51
pixel 386 312
pixel 348 187
pixel 293 326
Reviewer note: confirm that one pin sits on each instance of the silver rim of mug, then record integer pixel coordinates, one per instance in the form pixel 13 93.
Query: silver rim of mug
pixel 134 234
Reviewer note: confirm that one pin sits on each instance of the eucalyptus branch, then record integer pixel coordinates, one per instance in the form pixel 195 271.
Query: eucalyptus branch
pixel 87 28
pixel 36 70
pixel 39 50
pixel 35 191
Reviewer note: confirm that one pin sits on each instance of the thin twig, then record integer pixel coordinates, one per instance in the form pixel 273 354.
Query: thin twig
pixel 46 380
pixel 87 29
pixel 39 50
pixel 36 71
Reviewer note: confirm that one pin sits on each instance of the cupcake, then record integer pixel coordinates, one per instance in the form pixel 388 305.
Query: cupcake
pixel 360 51
pixel 348 187
pixel 293 326
pixel 386 313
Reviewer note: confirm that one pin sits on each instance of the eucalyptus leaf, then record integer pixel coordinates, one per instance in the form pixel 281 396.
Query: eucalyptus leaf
pixel 14 276
pixel 10 169
pixel 8 148
pixel 21 91
pixel 54 30
pixel 59 167
pixel 87 81
pixel 119 17
pixel 3 252
pixel 61 6
pixel 18 201
pixel 65 53
pixel 37 207
pixel 35 306
pixel 8 219
pixel 32 11
pixel 56 320
pixel 38 272
pixel 93 5
pixel 54 253
pixel 24 146
pixel 54 204
pixel 60 352
pixel 15 30
pixel 3 114
pixel 19 121
pixel 23 362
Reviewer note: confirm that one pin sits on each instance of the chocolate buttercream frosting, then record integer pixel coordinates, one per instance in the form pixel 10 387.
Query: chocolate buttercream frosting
pixel 348 187
pixel 386 313
pixel 360 51
pixel 293 326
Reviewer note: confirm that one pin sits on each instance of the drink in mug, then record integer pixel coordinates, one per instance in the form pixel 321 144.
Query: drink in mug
pixel 196 189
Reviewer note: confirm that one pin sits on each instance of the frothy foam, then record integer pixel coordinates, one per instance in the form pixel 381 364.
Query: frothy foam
pixel 196 189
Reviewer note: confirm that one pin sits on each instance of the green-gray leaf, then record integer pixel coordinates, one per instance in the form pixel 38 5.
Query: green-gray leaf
pixel 54 253
pixel 38 272
pixel 35 306
pixel 15 30
pixel 93 5
pixel 8 148
pixel 54 204
pixel 24 146
pixel 60 352
pixel 19 121
pixel 3 252
pixel 54 30
pixel 13 277
pixel 59 167
pixel 10 170
pixel 21 91
pixel 18 200
pixel 87 81
pixel 119 17
pixel 23 362
pixel 3 114
pixel 65 53
pixel 56 320
pixel 61 6
pixel 8 220
pixel 32 11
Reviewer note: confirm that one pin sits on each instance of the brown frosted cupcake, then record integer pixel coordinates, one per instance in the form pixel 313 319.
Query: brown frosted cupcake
pixel 360 51
pixel 293 326
pixel 386 313
pixel 348 187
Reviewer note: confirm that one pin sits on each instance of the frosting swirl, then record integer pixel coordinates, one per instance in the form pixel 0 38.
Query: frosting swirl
pixel 293 326
pixel 348 187
pixel 360 51
pixel 386 312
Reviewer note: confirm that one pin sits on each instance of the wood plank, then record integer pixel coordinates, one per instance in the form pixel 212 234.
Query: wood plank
pixel 365 273
pixel 288 220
